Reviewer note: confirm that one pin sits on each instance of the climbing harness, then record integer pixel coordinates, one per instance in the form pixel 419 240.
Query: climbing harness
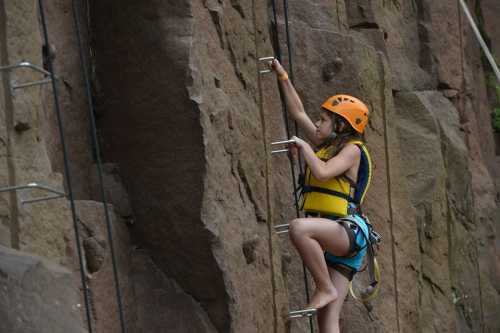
pixel 353 218
pixel 372 240
pixel 342 199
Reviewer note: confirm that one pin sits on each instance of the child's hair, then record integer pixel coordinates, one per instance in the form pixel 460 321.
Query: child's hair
pixel 338 141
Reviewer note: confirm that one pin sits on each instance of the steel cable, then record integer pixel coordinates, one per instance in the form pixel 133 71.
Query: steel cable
pixel 285 115
pixel 66 168
pixel 97 154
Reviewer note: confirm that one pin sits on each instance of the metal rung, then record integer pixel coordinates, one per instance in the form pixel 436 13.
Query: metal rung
pixel 28 65
pixel 279 151
pixel 265 59
pixel 25 64
pixel 57 193
pixel 302 313
pixel 282 228
pixel 30 84
pixel 284 142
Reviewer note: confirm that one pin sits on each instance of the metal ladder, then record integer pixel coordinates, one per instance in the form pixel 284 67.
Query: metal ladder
pixel 284 228
pixel 13 85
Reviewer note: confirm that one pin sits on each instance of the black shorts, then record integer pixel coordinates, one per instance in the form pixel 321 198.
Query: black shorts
pixel 345 270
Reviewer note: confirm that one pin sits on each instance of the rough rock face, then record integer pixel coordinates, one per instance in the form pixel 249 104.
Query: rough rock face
pixel 37 295
pixel 365 72
pixel 165 307
pixel 186 121
pixel 196 185
pixel 42 228
pixel 31 145
pixel 63 50
pixel 488 10
pixel 91 219
pixel 429 131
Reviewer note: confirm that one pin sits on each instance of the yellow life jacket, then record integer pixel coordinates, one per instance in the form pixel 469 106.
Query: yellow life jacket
pixel 332 197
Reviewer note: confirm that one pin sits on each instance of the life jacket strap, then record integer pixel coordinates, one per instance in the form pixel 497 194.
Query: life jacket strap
pixel 308 189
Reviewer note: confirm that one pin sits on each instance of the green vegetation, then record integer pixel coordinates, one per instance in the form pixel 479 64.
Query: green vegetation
pixel 495 116
pixel 496 119
pixel 494 86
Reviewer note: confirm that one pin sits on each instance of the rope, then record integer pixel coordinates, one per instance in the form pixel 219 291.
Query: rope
pixel 288 43
pixel 290 65
pixel 269 222
pixel 276 34
pixel 481 40
pixel 390 203
pixel 99 164
pixel 285 115
pixel 66 169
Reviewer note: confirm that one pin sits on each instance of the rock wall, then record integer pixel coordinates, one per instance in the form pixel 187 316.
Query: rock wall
pixel 37 295
pixel 32 152
pixel 185 123
pixel 191 148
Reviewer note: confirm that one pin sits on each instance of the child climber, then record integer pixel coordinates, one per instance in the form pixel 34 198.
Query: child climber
pixel 331 245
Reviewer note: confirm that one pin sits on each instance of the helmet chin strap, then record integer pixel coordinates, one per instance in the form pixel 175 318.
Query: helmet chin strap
pixel 336 132
pixel 332 137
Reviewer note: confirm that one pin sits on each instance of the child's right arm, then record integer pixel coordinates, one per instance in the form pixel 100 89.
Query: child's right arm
pixel 294 104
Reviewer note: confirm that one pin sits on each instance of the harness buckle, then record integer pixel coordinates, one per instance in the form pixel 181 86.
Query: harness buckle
pixel 353 209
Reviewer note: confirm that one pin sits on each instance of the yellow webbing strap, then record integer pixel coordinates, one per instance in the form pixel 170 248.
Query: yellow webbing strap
pixel 373 293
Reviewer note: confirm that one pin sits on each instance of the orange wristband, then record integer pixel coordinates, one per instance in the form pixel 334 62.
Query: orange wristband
pixel 283 77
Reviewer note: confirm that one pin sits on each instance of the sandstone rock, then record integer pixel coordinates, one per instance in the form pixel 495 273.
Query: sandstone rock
pixel 196 186
pixel 22 126
pixel 322 15
pixel 445 219
pixel 94 254
pixel 41 228
pixel 4 235
pixel 37 296
pixel 97 254
pixel 72 95
pixel 403 40
pixel 450 93
pixel 185 116
pixel 165 307
pixel 162 138
pixel 441 25
pixel 489 10
pixel 360 14
pixel 114 189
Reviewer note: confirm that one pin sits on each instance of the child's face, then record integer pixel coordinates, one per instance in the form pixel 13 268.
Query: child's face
pixel 324 126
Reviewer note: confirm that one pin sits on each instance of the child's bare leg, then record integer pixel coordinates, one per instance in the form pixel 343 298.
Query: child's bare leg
pixel 328 317
pixel 311 237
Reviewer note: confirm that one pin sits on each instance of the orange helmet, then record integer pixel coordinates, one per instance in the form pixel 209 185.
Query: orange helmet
pixel 350 108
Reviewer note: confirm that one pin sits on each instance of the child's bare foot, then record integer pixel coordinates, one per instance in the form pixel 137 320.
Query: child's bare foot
pixel 322 298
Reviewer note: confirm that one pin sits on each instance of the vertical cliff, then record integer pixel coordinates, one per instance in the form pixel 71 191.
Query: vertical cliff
pixel 185 121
